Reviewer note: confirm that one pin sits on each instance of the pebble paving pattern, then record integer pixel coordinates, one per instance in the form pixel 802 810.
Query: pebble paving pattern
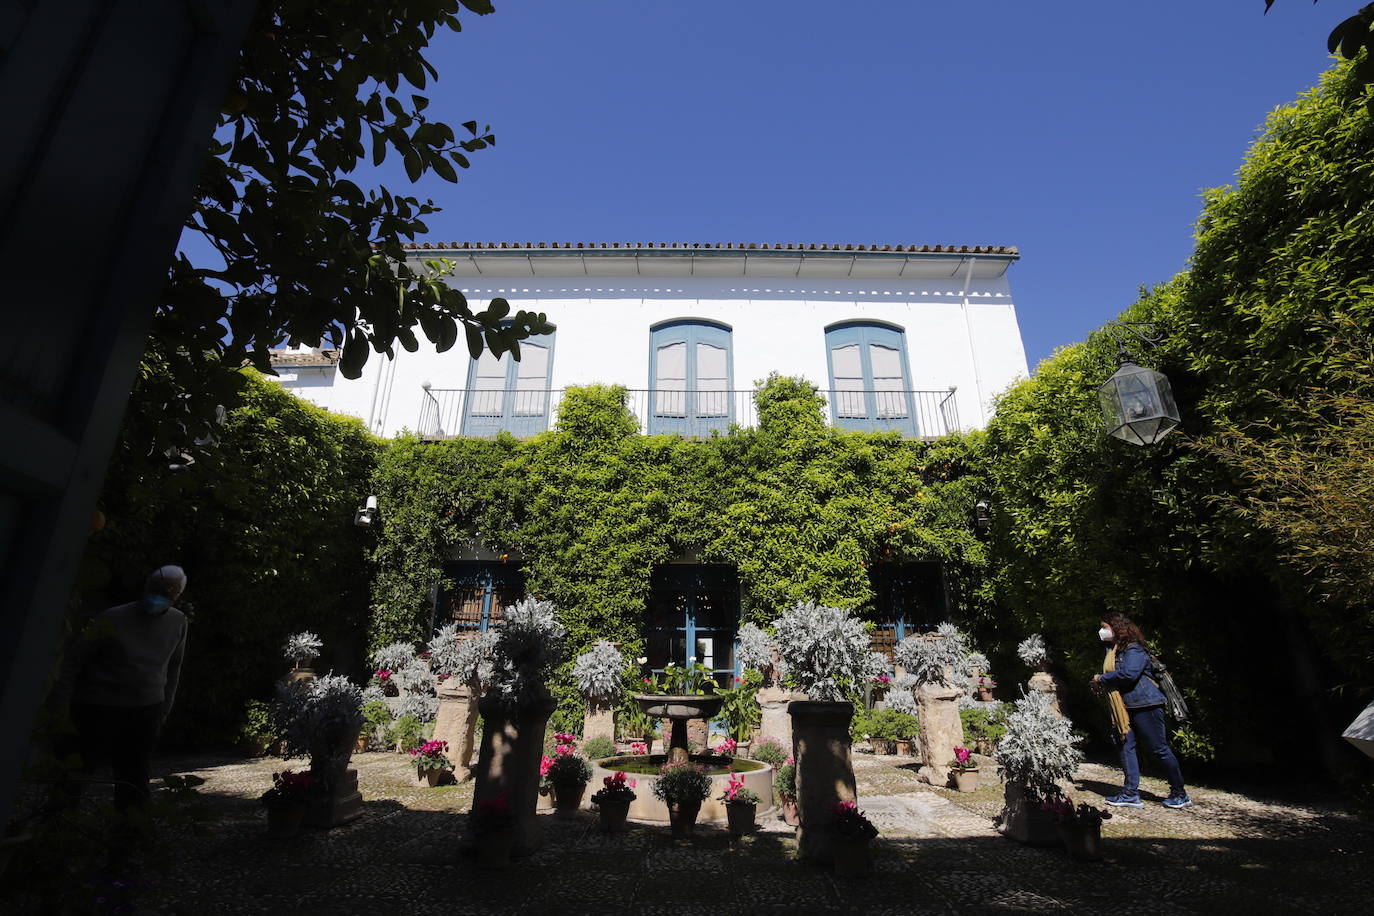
pixel 938 853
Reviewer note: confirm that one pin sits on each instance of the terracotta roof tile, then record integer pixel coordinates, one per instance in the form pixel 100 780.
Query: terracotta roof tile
pixel 303 360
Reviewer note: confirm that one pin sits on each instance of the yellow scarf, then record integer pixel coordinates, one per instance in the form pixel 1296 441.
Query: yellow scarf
pixel 1120 720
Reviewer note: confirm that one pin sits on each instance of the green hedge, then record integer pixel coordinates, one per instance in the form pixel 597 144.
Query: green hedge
pixel 1259 322
pixel 265 532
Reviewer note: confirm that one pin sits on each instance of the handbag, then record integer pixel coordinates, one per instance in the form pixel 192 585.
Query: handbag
pixel 1174 703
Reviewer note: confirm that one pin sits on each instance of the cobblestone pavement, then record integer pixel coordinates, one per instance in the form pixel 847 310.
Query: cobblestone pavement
pixel 938 853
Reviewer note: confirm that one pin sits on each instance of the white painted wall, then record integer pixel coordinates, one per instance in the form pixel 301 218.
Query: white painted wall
pixel 965 338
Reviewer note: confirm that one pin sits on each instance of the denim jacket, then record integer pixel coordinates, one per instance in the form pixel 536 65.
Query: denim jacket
pixel 1132 678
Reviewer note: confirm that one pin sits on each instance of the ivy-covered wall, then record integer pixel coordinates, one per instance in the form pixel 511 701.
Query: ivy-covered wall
pixel 1189 536
pixel 800 509
pixel 263 525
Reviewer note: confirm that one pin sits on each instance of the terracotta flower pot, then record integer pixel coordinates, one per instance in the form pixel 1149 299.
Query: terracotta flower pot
pixel 903 747
pixel 567 799
pixel 740 817
pixel 879 745
pixel 1082 840
pixel 851 857
pixel 965 780
pixel 985 694
pixel 791 814
pixel 984 746
pixel 429 777
pixel 284 821
pixel 613 815
pixel 682 817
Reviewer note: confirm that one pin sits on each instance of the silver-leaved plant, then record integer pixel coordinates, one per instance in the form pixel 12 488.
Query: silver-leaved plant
pixel 1039 749
pixel 528 647
pixel 826 650
pixel 901 698
pixel 302 647
pixel 755 649
pixel 600 672
pixel 1032 650
pixel 395 656
pixel 941 661
pixel 319 718
pixel 415 679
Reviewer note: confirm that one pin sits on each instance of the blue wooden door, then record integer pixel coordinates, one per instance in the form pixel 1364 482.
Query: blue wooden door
pixel 505 395
pixel 869 378
pixel 690 374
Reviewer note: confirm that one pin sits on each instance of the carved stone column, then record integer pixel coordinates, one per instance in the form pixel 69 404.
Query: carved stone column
pixel 508 763
pixel 825 772
pixel 941 730
pixel 775 722
pixel 456 723
pixel 599 721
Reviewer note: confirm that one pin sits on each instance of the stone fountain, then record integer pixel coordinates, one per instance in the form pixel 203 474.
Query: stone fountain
pixel 679 711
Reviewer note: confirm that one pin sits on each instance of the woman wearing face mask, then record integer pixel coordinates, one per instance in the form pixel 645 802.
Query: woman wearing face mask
pixel 1137 708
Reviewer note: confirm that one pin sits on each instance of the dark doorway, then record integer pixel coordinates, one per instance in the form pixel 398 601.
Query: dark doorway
pixel 479 596
pixel 907 598
pixel 694 613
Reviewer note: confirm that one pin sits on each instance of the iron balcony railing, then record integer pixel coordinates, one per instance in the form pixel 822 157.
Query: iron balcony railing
pixel 448 413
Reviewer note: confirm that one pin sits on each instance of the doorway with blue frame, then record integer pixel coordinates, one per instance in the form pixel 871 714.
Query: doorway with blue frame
pixel 480 593
pixel 693 616
pixel 908 598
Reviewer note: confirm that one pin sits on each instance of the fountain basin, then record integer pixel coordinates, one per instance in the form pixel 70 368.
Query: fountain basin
pixel 758 777
pixel 704 706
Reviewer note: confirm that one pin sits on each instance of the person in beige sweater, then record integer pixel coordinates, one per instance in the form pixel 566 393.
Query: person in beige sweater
pixel 123 674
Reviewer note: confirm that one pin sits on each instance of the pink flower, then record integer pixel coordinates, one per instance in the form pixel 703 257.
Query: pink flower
pixel 544 763
pixel 565 738
pixel 791 759
pixel 563 750
pixel 647 681
pixel 962 754
pixel 383 674
pixel 639 748
pixel 633 782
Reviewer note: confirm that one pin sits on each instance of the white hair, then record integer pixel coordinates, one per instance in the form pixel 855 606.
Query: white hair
pixel 166 580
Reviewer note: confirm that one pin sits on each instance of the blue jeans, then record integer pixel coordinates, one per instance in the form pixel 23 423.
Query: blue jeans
pixel 1147 724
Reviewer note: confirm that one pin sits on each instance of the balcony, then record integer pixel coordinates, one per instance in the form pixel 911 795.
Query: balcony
pixel 447 413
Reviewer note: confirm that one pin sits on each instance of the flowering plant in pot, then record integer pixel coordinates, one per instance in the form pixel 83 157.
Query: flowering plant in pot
pixel 320 719
pixel 985 687
pixel 567 773
pixel 613 800
pixel 682 787
pixel 1080 827
pixel 984 725
pixel 431 762
pixel 740 707
pixel 785 787
pixel 852 832
pixel 726 748
pixel 285 803
pixel 770 751
pixel 963 769
pixel 493 825
pixel 741 805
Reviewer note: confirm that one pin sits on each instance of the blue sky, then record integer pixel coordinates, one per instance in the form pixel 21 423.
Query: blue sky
pixel 1083 132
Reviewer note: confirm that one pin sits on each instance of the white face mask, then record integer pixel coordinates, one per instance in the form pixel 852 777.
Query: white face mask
pixel 1105 634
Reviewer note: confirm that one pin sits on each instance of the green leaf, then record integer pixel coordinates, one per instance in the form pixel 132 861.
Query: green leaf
pixel 474 340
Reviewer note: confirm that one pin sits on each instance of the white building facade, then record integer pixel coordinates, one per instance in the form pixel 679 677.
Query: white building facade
pixel 915 339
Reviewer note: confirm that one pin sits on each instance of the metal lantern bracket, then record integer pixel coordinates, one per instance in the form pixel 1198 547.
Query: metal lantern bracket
pixel 1149 333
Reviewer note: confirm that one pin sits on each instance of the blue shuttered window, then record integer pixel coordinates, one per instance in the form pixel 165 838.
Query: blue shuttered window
pixel 505 395
pixel 691 374
pixel 870 379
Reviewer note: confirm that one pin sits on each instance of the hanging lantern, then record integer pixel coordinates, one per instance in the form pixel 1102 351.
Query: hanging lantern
pixel 1138 405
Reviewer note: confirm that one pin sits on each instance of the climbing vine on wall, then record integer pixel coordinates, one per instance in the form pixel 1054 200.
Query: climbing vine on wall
pixel 591 507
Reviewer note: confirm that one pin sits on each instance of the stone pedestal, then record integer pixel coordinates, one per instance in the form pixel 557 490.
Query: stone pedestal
pixel 299 675
pixel 1025 822
pixel 456 723
pixel 1045 682
pixel 775 723
pixel 508 763
pixel 338 805
pixel 941 730
pixel 825 772
pixel 599 722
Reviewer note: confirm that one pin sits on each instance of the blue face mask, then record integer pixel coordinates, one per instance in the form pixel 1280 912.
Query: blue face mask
pixel 155 605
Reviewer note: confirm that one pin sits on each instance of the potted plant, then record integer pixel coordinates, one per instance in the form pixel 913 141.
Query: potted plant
pixel 1033 653
pixel 636 726
pixel 1080 827
pixel 257 734
pixel 376 719
pixel 741 805
pixel 851 833
pixel 985 688
pixel 740 709
pixel 1038 751
pixel 963 769
pixel 682 787
pixel 431 763
pixel 567 774
pixel 388 660
pixel 285 803
pixel 984 725
pixel 785 787
pixel 493 826
pixel 301 649
pixel 613 800
pixel 770 751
